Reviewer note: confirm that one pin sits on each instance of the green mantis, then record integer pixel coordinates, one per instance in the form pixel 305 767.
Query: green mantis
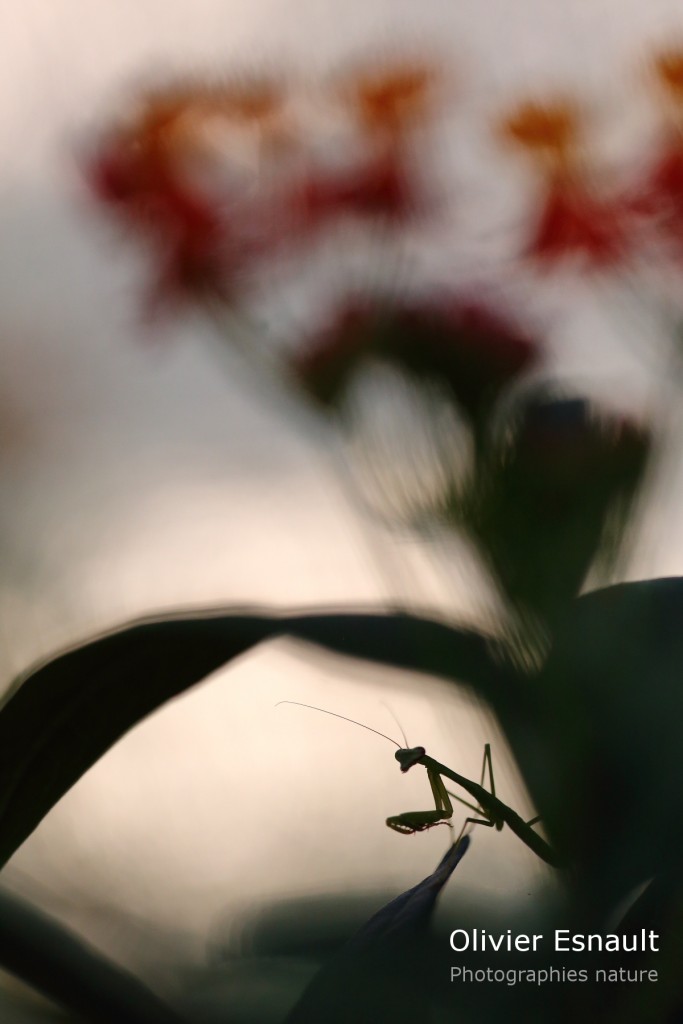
pixel 490 810
pixel 493 812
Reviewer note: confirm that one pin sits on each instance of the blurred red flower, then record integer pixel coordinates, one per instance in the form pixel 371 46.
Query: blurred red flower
pixel 380 187
pixel 386 106
pixel 184 227
pixel 141 173
pixel 659 197
pixel 470 349
pixel 575 222
pixel 185 173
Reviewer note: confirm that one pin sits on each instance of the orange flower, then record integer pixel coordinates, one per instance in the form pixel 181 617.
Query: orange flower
pixel 668 68
pixel 140 172
pixel 391 101
pixel 170 125
pixel 573 220
pixel 186 107
pixel 259 104
pixel 548 131
pixel 381 182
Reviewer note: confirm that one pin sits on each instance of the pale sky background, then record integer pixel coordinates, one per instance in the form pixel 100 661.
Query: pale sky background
pixel 140 476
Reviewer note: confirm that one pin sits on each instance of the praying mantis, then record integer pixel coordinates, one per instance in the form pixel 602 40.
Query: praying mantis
pixel 494 813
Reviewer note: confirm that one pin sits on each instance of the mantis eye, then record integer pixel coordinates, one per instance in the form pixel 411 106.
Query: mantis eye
pixel 409 757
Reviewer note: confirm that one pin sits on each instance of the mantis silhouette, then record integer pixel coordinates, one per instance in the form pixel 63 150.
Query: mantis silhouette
pixel 490 810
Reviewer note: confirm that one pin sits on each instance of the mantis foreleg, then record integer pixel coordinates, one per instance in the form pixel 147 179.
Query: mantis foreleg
pixel 419 821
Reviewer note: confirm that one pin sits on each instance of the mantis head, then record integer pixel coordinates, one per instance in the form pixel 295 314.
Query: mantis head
pixel 407 757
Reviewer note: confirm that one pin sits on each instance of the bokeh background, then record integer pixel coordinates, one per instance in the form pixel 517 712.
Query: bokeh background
pixel 142 469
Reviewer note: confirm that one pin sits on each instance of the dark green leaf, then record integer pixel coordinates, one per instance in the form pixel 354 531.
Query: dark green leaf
pixel 67 713
pixel 54 961
pixel 611 705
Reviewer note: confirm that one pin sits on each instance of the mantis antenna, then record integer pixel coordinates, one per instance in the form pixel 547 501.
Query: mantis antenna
pixel 395 718
pixel 343 717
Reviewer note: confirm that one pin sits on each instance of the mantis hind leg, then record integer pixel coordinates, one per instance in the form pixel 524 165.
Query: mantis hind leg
pixel 492 788
pixel 471 821
pixel 488 762
pixel 477 810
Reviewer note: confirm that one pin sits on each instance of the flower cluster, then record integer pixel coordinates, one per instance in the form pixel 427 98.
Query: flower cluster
pixel 604 226
pixel 574 218
pixel 217 178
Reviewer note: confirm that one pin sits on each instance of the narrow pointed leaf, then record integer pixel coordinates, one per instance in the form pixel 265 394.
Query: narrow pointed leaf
pixel 383 972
